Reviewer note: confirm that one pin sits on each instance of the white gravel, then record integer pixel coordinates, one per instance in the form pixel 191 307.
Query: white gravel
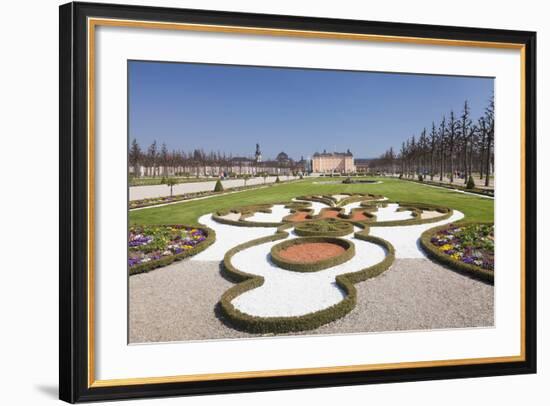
pixel 339 197
pixel 389 213
pixel 231 216
pixel 405 238
pixel 228 237
pixel 315 206
pixel 278 211
pixel 348 207
pixel 288 293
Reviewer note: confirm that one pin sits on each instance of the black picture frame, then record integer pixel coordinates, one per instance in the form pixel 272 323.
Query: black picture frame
pixel 74 385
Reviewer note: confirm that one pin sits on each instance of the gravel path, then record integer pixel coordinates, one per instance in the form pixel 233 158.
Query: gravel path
pixel 176 303
pixel 144 192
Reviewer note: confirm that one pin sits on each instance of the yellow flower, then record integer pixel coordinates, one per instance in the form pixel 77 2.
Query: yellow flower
pixel 446 247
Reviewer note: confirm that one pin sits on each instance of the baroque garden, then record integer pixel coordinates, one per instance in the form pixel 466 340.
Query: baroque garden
pixel 309 255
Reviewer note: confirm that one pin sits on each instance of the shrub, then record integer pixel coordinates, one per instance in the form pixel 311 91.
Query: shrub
pixel 420 178
pixel 277 180
pixel 471 184
pixel 219 186
pixel 347 180
pixel 328 227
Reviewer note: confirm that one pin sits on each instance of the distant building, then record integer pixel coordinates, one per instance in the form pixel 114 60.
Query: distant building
pixel 330 162
pixel 282 157
pixel 362 164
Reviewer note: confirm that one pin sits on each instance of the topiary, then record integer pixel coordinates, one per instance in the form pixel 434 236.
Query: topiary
pixel 277 180
pixel 471 184
pixel 420 178
pixel 219 186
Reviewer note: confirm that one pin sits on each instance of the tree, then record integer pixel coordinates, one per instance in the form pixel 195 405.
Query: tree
pixel 465 133
pixel 433 144
pixel 489 118
pixel 451 142
pixel 442 138
pixel 170 182
pixel 245 178
pixel 134 157
pixel 152 155
pixel 164 159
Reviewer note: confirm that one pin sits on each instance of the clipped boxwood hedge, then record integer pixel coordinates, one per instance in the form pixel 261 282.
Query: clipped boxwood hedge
pixel 310 321
pixel 359 197
pixel 248 211
pixel 281 262
pixel 327 227
pixel 164 261
pixel 416 209
pixel 320 199
pixel 433 252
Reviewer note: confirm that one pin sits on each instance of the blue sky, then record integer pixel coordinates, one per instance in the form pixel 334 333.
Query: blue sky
pixel 299 111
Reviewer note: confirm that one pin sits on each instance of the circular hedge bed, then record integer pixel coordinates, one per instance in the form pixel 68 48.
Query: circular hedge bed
pixel 467 247
pixel 328 227
pixel 311 254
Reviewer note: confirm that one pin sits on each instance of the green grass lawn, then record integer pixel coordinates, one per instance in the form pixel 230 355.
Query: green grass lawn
pixel 475 208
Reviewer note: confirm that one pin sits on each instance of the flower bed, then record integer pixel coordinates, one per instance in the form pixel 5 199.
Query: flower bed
pixel 468 247
pixel 289 254
pixel 151 247
pixel 328 227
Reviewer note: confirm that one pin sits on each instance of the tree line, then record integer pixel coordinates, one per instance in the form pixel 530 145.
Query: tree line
pixel 456 146
pixel 159 161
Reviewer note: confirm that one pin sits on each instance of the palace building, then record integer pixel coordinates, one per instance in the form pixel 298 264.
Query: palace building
pixel 333 162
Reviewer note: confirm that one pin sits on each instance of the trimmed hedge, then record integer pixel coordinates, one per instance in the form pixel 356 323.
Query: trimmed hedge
pixel 284 263
pixel 245 211
pixel 310 321
pixel 149 266
pixel 416 209
pixel 218 187
pixel 319 199
pixel 363 210
pixel 327 227
pixel 248 211
pixel 359 197
pixel 433 252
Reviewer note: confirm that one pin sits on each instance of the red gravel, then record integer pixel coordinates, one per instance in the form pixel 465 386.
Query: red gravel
pixel 358 216
pixel 311 252
pixel 329 214
pixel 299 216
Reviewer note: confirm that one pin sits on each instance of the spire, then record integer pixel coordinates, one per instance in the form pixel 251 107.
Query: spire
pixel 258 153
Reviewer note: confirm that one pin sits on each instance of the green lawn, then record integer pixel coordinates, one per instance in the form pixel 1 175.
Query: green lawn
pixel 475 208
